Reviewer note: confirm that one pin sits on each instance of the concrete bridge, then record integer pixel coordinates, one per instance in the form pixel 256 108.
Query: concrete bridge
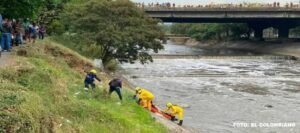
pixel 258 19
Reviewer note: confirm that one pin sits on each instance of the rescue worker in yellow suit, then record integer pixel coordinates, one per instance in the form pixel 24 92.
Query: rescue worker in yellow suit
pixel 145 97
pixel 175 110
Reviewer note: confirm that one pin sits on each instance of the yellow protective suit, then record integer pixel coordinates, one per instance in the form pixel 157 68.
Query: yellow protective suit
pixel 176 110
pixel 146 97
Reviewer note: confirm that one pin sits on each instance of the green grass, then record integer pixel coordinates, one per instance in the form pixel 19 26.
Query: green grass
pixel 38 94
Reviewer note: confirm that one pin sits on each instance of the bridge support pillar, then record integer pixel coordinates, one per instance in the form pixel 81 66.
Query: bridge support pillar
pixel 283 31
pixel 258 28
pixel 258 33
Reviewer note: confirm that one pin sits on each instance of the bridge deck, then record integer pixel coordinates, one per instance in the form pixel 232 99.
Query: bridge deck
pixel 221 9
pixel 225 15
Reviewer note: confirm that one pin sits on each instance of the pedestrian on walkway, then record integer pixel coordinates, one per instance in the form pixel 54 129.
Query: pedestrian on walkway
pixel 34 29
pixel 18 33
pixel 115 85
pixel 6 35
pixel 26 25
pixel 13 33
pixel 42 32
pixel 1 22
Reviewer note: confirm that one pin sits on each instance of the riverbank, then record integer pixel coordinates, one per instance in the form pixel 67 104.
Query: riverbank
pixel 288 48
pixel 42 91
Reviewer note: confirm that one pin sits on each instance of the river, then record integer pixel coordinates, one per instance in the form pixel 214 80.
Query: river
pixel 225 95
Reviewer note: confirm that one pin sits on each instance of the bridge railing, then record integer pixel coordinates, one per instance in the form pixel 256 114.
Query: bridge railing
pixel 209 6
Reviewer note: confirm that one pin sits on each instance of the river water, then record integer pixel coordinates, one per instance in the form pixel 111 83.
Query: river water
pixel 225 95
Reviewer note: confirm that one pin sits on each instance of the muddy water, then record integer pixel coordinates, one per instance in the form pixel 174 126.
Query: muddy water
pixel 220 93
pixel 171 48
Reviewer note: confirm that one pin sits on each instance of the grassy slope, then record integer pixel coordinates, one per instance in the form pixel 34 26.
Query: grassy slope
pixel 37 94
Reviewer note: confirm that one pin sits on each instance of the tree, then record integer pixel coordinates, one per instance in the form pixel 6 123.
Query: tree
pixel 165 28
pixel 118 29
pixel 27 8
pixel 239 30
pixel 20 8
pixel 180 28
pixel 49 16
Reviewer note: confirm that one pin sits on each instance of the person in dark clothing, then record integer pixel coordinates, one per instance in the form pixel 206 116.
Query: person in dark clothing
pixel 34 29
pixel 89 80
pixel 6 35
pixel 115 85
pixel 42 32
pixel 26 25
pixel 1 19
pixel 13 33
pixel 18 33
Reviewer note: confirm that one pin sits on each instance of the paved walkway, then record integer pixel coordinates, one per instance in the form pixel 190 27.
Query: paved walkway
pixel 6 59
pixel 3 58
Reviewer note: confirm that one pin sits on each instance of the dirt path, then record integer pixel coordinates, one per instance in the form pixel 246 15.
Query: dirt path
pixel 6 59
